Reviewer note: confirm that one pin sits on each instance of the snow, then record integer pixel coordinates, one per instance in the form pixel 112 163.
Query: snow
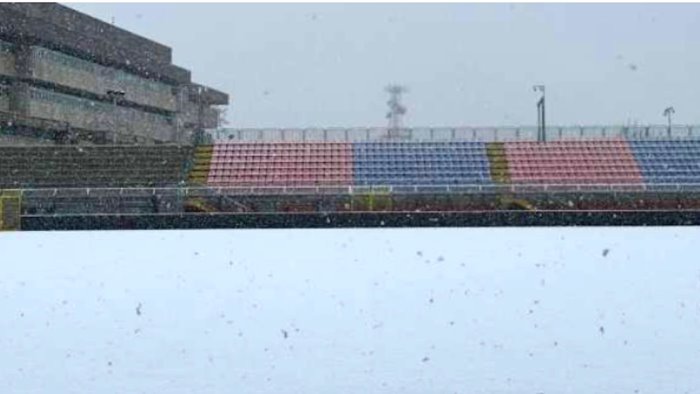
pixel 500 310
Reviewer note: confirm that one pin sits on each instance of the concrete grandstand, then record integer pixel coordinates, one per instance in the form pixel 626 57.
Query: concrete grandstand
pixel 611 180
pixel 66 77
pixel 98 129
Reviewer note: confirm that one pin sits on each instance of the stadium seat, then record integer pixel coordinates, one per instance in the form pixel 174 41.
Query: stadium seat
pixel 281 164
pixel 668 161
pixel 572 162
pixel 568 162
pixel 92 166
pixel 420 163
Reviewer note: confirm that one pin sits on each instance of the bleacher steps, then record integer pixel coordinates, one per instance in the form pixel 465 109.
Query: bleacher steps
pixel 10 210
pixel 498 162
pixel 92 166
pixel 200 168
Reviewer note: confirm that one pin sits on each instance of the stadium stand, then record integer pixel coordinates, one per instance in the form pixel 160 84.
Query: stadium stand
pixel 342 164
pixel 92 166
pixel 604 161
pixel 420 163
pixel 668 161
pixel 281 164
pixel 79 184
pixel 565 162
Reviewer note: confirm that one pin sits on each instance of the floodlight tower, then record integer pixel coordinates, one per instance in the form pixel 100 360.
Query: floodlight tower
pixel 541 124
pixel 668 113
pixel 396 109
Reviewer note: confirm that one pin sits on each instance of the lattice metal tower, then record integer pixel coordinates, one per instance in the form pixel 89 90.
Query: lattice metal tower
pixel 396 109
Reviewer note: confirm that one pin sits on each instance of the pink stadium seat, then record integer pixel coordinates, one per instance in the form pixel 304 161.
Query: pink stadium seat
pixel 572 162
pixel 281 164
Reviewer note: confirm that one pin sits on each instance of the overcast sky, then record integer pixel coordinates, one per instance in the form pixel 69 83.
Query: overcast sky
pixel 308 65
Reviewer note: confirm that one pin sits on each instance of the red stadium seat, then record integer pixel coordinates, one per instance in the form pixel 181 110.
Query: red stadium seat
pixel 572 162
pixel 281 164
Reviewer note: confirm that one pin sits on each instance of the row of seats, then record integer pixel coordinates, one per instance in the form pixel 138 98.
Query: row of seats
pixel 92 166
pixel 604 161
pixel 312 164
pixel 668 161
pixel 421 163
pixel 281 164
pixel 568 162
pixel 362 163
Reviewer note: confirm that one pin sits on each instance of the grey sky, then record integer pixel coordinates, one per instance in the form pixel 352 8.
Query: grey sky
pixel 307 65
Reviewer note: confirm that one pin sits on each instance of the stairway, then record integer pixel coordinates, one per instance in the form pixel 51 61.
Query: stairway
pixel 197 204
pixel 499 162
pixel 10 210
pixel 199 173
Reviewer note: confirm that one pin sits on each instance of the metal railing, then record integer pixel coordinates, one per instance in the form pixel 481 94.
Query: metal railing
pixel 354 190
pixel 477 134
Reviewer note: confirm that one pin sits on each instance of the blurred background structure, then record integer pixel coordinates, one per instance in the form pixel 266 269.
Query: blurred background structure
pixel 68 77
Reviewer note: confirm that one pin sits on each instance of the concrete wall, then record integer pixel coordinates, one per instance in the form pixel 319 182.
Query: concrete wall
pixel 189 114
pixel 53 46
pixel 210 118
pixel 36 25
pixel 73 20
pixel 17 140
pixel 99 116
pixel 80 74
pixel 7 59
pixel 4 97
pixel 4 102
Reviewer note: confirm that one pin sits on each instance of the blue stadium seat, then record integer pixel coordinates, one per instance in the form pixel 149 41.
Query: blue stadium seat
pixel 670 161
pixel 420 163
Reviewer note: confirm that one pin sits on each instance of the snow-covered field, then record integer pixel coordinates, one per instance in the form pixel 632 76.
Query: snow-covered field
pixel 574 310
